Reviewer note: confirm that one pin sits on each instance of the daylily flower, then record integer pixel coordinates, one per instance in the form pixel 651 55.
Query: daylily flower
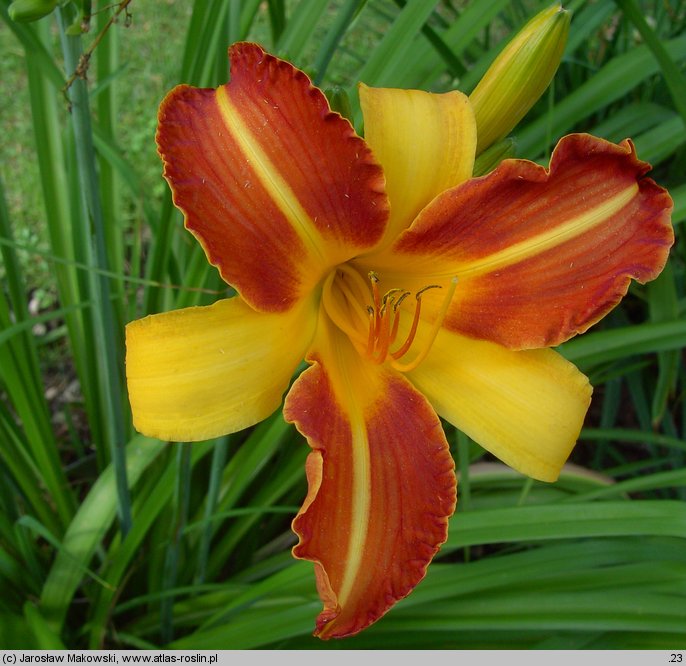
pixel 412 291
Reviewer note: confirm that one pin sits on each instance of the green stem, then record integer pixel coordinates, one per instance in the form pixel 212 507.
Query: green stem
pixel 92 236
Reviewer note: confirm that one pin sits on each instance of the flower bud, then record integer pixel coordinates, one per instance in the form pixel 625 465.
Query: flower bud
pixel 339 101
pixel 519 75
pixel 25 11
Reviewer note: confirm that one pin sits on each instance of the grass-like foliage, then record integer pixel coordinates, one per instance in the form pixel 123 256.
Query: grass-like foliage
pixel 110 539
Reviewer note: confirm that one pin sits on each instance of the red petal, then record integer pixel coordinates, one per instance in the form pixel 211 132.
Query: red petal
pixel 542 255
pixel 381 485
pixel 275 186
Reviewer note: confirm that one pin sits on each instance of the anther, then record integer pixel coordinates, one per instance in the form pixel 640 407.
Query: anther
pixel 388 296
pixel 403 296
pixel 428 286
pixel 374 279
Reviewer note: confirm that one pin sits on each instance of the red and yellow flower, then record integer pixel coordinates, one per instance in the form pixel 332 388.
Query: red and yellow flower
pixel 411 289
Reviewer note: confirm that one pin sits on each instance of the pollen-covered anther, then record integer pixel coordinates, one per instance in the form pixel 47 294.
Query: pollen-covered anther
pixel 384 321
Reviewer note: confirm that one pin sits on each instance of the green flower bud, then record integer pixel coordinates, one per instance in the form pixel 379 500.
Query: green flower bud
pixel 25 11
pixel 339 101
pixel 519 75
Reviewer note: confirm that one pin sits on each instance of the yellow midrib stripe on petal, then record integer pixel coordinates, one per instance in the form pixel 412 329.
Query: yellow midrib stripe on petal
pixel 360 508
pixel 279 190
pixel 349 393
pixel 545 241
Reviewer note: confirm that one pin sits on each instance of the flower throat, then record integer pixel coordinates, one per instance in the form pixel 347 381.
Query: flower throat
pixel 371 319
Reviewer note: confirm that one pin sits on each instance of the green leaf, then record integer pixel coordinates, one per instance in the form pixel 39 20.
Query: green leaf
pixel 299 28
pixel 679 196
pixel 510 524
pixel 603 346
pixel 87 530
pixel 670 70
pixel 396 47
pixel 46 639
pixel 90 231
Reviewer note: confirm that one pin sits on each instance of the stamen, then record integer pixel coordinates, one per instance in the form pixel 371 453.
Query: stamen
pixel 384 322
pixel 374 279
pixel 383 340
pixel 404 348
pixel 404 295
pixel 388 295
pixel 371 338
pixel 428 286
pixel 438 322
pixel 396 316
pixel 396 323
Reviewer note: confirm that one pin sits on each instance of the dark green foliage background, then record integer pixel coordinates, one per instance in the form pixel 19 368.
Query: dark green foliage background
pixel 109 539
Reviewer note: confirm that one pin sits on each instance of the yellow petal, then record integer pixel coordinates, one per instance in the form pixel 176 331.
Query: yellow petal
pixel 525 407
pixel 202 372
pixel 425 143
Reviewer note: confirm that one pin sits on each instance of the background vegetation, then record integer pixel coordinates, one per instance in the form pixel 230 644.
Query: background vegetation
pixel 109 539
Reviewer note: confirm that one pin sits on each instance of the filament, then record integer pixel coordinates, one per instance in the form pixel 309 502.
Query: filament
pixel 438 322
